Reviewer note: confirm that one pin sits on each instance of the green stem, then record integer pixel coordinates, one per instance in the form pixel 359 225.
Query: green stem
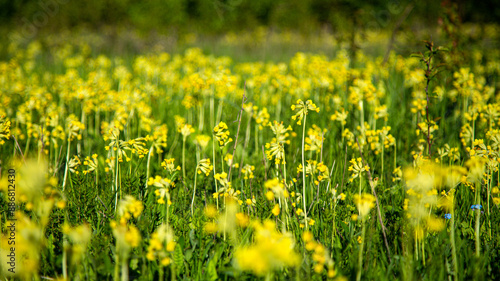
pixel 222 159
pixel 117 266
pixel 172 270
pixel 362 117
pixel 212 111
pixel 383 152
pixel 65 258
pixel 161 274
pixel 334 226
pixel 452 241
pixel 194 190
pixel 304 172
pixel 116 181
pixel 360 185
pixel 183 158
pixel 488 191
pixel 423 251
pixel 219 111
pixel 202 117
pixel 256 138
pixel 147 168
pixel 478 223
pixel 66 170
pixel 360 254
pixel 216 188
pixel 124 270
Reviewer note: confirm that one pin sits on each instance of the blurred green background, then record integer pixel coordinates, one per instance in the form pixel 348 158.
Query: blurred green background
pixel 215 16
pixel 133 26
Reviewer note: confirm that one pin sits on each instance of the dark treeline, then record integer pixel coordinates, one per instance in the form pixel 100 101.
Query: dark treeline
pixel 215 16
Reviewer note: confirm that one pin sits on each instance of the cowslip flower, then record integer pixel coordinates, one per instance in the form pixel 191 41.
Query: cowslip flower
pixel 357 168
pixel 365 203
pixel 161 245
pixel 303 109
pixel 168 164
pixel 205 166
pixel 4 129
pixel 221 133
pixel 271 250
pixel 128 207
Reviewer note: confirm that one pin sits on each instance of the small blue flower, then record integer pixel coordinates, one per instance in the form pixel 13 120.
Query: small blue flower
pixel 447 216
pixel 477 207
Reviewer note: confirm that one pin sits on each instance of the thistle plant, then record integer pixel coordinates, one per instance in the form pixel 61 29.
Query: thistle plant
pixel 302 111
pixel 431 70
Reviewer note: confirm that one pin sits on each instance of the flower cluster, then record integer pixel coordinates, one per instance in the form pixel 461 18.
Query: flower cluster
pixel 168 164
pixel 4 129
pixel 129 207
pixel 247 171
pixel 357 168
pixel 161 245
pixel 270 251
pixel 204 166
pixel 320 255
pixel 365 202
pixel 221 133
pixel 302 109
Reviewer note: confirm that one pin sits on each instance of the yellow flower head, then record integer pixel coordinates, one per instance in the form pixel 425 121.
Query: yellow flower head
pixel 221 133
pixel 186 130
pixel 303 109
pixel 270 251
pixel 365 203
pixel 204 166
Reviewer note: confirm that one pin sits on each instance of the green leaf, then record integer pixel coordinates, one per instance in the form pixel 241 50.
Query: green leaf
pixel 188 255
pixel 212 270
pixel 134 264
pixel 178 258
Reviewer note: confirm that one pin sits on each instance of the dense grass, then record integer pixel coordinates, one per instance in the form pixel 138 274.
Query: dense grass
pixel 61 104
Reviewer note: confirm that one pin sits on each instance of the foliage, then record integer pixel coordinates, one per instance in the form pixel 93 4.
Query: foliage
pixel 97 144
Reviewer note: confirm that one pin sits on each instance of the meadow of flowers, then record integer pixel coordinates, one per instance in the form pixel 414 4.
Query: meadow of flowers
pixel 195 167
